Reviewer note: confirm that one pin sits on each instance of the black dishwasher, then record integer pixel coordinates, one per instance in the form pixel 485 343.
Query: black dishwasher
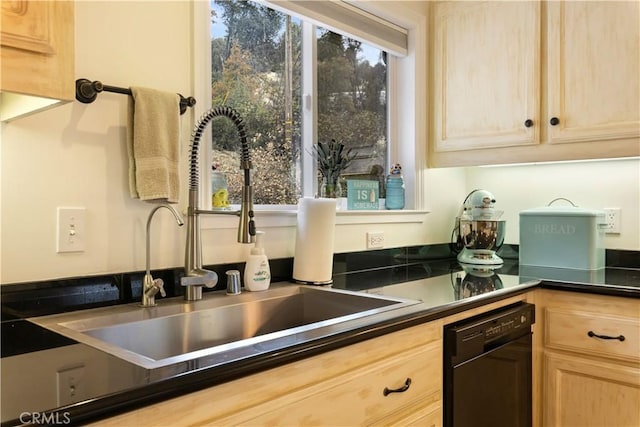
pixel 487 369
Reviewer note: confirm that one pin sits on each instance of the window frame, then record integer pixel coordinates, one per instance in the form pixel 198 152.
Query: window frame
pixel 406 129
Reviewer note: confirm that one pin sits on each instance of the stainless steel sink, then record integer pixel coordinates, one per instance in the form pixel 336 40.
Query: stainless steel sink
pixel 179 334
pixel 220 327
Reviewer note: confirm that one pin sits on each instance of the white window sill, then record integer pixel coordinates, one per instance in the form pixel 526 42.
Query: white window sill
pixel 287 217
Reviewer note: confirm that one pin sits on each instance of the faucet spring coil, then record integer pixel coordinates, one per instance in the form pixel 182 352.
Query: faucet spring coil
pixel 196 135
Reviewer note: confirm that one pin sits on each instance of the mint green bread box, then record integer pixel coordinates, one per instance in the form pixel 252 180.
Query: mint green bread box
pixel 562 237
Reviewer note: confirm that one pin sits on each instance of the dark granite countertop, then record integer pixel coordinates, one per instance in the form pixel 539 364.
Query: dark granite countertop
pixel 444 290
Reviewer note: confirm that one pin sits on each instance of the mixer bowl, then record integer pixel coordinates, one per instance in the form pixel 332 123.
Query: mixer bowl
pixel 482 234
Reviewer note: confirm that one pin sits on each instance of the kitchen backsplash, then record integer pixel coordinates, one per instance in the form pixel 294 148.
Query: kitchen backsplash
pixel 376 268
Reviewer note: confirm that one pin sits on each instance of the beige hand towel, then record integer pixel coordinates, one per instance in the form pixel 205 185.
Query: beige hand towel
pixel 153 144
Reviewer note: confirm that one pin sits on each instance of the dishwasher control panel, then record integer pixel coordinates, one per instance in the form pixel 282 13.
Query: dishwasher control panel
pixel 507 324
pixel 477 334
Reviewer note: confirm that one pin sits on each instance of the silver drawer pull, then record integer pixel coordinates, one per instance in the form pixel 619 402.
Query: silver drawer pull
pixel 605 337
pixel 402 389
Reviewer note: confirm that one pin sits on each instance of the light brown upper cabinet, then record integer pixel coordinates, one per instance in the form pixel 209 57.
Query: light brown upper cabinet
pixel 38 52
pixel 533 81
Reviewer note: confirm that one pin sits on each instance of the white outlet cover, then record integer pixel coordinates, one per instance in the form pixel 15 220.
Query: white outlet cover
pixel 612 219
pixel 375 240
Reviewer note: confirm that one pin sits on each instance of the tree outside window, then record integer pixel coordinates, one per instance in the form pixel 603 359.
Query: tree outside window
pixel 257 69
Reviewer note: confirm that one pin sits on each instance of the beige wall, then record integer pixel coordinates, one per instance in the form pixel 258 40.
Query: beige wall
pixel 75 155
pixel 593 185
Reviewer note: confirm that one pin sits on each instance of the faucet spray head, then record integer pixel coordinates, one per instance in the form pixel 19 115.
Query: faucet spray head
pixel 246 225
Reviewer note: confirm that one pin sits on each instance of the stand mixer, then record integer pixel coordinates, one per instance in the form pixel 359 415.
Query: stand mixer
pixel 479 231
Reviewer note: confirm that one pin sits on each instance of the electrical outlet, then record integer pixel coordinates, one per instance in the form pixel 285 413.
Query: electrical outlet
pixel 71 230
pixel 375 240
pixel 612 218
pixel 71 385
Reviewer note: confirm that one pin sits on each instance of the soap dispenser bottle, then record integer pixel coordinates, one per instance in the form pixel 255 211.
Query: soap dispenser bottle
pixel 257 274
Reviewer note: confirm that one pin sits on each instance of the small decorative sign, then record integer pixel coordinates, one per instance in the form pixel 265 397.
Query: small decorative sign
pixel 362 194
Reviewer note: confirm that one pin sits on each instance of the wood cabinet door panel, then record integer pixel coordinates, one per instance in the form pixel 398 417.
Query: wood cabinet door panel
pixel 26 25
pixel 594 70
pixel 590 393
pixel 486 74
pixel 38 49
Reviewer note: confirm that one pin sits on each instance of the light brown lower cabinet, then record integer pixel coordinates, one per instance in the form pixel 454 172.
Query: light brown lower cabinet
pixel 358 398
pixel 342 387
pixel 590 393
pixel 591 360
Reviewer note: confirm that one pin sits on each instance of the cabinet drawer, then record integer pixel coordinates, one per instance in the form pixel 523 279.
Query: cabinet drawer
pixel 571 330
pixel 358 398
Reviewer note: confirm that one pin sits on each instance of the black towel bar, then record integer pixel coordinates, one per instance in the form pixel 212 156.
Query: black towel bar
pixel 87 91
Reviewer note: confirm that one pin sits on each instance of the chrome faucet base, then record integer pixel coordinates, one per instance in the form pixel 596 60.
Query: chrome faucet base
pixel 193 293
pixel 150 288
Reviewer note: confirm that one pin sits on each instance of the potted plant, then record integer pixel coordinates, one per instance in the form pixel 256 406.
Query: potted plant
pixel 333 158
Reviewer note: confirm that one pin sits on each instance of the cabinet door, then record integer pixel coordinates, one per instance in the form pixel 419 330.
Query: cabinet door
pixel 486 74
pixel 594 71
pixel 38 48
pixel 589 393
pixel 25 25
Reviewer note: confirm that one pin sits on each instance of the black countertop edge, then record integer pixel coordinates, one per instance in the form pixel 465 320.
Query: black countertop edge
pixel 107 406
pixel 610 290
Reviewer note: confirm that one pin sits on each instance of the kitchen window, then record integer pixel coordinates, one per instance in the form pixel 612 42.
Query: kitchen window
pixel 298 81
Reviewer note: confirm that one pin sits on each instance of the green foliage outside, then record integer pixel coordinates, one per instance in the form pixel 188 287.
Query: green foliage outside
pixel 250 66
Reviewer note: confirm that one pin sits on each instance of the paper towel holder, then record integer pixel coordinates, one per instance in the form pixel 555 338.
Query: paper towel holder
pixel 313 259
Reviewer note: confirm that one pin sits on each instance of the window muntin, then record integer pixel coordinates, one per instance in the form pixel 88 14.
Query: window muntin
pixel 257 68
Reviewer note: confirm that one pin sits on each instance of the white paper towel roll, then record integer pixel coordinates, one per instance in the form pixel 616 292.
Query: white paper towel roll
pixel 313 259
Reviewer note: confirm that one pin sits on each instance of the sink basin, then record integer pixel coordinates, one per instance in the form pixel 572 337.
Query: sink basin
pixel 221 327
pixel 174 335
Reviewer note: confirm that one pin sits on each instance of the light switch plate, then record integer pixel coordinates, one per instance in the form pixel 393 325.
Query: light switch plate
pixel 71 230
pixel 71 385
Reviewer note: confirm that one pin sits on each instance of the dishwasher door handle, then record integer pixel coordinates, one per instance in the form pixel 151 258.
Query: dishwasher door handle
pixel 402 389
